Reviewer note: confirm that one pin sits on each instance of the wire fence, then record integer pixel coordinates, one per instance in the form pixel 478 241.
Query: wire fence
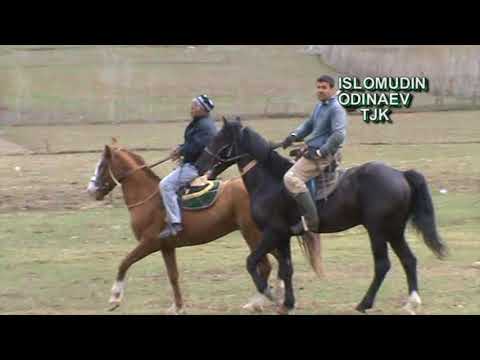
pixel 149 84
pixel 453 71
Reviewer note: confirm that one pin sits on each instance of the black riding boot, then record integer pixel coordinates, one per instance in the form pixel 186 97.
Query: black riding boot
pixel 308 210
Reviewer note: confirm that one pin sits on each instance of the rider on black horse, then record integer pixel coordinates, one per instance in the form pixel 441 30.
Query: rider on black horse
pixel 328 129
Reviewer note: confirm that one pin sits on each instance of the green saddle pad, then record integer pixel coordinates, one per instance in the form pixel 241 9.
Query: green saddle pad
pixel 202 199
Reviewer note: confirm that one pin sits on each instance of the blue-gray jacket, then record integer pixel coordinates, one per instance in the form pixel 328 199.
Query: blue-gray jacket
pixel 198 135
pixel 327 127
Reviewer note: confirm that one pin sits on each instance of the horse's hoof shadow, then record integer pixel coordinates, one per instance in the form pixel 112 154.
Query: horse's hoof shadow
pixel 114 307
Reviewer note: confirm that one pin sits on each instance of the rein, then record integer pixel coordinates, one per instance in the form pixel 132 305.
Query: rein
pixel 223 161
pixel 118 181
pixel 249 166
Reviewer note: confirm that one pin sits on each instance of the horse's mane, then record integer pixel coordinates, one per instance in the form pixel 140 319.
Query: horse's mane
pixel 261 150
pixel 140 161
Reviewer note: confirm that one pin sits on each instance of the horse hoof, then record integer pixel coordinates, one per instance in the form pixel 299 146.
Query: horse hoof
pixel 409 310
pixel 256 304
pixel 283 310
pixel 413 304
pixel 373 311
pixel 117 295
pixel 361 309
pixel 115 303
pixel 253 308
pixel 173 310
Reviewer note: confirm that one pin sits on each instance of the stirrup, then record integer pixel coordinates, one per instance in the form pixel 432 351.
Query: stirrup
pixel 170 231
pixel 300 228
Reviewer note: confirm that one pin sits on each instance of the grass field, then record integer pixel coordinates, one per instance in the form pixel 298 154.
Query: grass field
pixel 57 257
pixel 65 262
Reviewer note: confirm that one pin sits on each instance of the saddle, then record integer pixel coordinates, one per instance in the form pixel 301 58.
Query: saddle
pixel 201 194
pixel 325 184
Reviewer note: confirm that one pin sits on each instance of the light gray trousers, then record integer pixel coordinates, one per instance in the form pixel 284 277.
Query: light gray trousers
pixel 169 187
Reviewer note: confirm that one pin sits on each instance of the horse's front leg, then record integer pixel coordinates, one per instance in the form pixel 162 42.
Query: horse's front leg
pixel 169 256
pixel 267 244
pixel 147 246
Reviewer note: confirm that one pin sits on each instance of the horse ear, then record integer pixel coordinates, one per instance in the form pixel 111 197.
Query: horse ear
pixel 108 152
pixel 225 121
pixel 114 141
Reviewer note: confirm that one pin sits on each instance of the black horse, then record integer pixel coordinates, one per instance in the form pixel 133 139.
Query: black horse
pixel 374 195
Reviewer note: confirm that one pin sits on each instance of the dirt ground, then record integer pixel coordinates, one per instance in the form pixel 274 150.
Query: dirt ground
pixel 8 148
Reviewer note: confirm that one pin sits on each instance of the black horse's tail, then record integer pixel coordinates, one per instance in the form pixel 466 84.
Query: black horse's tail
pixel 311 246
pixel 423 213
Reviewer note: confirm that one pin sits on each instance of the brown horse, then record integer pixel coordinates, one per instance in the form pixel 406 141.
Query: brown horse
pixel 140 186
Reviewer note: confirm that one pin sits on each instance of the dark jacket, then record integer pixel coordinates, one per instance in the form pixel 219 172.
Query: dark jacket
pixel 198 135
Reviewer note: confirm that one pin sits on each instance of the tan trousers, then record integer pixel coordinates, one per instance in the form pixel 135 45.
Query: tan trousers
pixel 304 170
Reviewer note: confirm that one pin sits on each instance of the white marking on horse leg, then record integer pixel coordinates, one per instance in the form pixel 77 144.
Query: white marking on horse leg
pixel 413 304
pixel 118 290
pixel 280 291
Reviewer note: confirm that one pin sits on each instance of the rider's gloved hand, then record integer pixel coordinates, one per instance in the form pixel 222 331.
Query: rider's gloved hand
pixel 175 154
pixel 312 153
pixel 289 141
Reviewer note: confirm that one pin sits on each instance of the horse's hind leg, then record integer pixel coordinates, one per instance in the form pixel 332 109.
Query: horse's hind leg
pixel 169 256
pixel 379 246
pixel 286 273
pixel 409 263
pixel 146 247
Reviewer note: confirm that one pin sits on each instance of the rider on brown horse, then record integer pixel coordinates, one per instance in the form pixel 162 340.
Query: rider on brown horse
pixel 198 135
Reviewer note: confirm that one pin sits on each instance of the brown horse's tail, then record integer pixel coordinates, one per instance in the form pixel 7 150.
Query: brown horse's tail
pixel 311 246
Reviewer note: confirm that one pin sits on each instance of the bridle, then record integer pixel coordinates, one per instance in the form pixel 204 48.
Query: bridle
pixel 232 147
pixel 231 159
pixel 120 179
